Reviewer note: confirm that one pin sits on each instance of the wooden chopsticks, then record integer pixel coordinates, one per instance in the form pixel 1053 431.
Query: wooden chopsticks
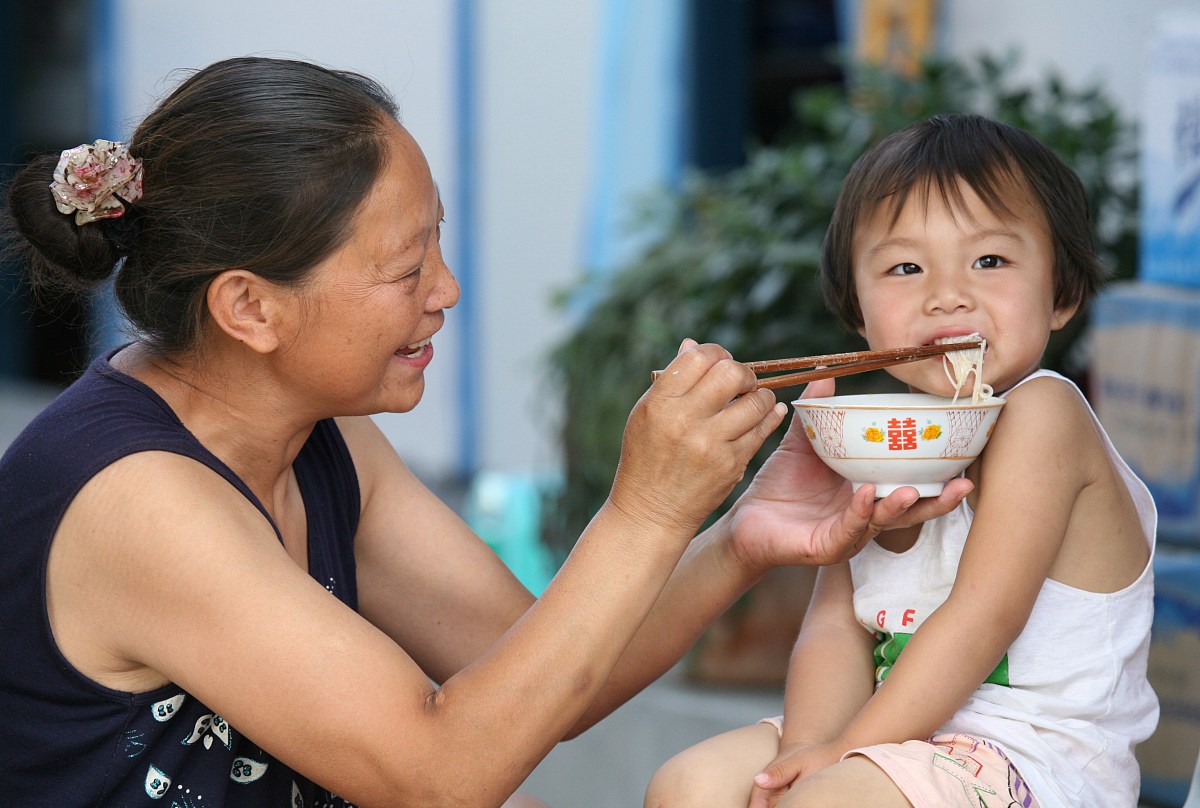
pixel 831 366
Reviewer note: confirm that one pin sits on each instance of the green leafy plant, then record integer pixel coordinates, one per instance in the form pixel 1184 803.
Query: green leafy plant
pixel 733 258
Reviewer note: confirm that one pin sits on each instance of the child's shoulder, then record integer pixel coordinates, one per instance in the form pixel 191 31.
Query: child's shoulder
pixel 1046 414
pixel 1044 380
pixel 1046 395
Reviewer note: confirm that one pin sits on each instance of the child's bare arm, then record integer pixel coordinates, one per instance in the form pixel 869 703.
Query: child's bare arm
pixel 830 677
pixel 832 672
pixel 1036 464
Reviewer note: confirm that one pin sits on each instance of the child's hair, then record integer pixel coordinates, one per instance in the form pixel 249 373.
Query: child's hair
pixel 994 159
pixel 252 163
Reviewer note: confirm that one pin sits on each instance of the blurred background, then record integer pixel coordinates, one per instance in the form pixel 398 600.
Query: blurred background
pixel 618 175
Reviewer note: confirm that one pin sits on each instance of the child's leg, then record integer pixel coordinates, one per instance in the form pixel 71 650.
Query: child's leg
pixel 852 781
pixel 937 773
pixel 716 773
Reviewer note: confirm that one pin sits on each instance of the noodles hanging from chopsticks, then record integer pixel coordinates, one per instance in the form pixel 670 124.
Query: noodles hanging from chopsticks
pixel 961 364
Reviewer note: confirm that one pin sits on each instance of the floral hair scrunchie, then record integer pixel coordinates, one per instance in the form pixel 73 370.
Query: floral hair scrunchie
pixel 95 181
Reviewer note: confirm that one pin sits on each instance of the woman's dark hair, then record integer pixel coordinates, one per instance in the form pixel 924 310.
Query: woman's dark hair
pixel 253 163
pixel 993 159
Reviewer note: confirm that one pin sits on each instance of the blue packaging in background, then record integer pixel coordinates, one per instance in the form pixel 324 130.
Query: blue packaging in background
pixel 1168 758
pixel 1169 238
pixel 1145 387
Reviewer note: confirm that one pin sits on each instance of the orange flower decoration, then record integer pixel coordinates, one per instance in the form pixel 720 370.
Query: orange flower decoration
pixel 931 432
pixel 874 434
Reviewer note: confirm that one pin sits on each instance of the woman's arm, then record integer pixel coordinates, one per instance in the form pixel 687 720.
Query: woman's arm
pixel 796 511
pixel 192 586
pixel 423 585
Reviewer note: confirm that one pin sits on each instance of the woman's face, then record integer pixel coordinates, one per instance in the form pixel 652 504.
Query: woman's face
pixel 939 272
pixel 366 319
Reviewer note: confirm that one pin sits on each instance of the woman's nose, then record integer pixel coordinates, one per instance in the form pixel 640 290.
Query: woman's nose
pixel 446 291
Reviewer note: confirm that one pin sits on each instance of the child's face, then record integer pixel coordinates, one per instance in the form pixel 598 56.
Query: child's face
pixel 940 273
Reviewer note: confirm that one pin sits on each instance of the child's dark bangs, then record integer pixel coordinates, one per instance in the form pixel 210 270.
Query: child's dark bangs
pixel 947 158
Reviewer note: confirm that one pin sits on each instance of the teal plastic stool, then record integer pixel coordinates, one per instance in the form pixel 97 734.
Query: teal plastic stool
pixel 506 511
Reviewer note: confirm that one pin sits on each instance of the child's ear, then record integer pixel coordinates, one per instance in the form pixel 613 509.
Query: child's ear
pixel 1062 315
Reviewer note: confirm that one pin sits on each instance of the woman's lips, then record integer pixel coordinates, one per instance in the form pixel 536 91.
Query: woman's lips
pixel 414 350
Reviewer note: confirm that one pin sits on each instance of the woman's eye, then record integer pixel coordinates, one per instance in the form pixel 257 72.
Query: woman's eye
pixel 410 276
pixel 904 269
pixel 988 262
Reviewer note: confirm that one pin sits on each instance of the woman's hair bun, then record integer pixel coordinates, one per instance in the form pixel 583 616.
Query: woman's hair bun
pixel 57 251
pixel 251 162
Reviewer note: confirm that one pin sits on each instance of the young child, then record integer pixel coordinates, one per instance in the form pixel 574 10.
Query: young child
pixel 1024 615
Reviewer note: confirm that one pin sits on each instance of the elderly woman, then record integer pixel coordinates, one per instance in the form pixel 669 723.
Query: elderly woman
pixel 219 584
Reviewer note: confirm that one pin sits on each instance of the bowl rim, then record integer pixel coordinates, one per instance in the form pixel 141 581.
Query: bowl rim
pixel 857 402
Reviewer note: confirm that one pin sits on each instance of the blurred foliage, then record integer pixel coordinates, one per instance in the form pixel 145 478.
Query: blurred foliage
pixel 733 258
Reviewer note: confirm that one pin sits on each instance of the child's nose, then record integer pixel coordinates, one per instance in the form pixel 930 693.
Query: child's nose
pixel 948 294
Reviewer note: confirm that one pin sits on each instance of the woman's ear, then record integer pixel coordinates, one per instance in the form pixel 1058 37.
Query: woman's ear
pixel 247 308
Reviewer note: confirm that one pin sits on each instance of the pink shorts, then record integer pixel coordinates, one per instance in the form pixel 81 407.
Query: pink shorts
pixel 948 771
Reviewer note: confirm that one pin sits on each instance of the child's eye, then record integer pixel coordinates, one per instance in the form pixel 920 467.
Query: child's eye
pixel 988 262
pixel 904 269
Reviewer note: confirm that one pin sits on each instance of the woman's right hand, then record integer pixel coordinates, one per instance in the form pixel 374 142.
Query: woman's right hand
pixel 689 439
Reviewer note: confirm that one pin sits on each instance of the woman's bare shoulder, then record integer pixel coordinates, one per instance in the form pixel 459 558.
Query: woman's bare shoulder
pixel 134 541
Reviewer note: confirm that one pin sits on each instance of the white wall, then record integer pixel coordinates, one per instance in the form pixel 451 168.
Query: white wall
pixel 535 88
pixel 1084 40
pixel 538 99
pixel 537 115
pixel 404 45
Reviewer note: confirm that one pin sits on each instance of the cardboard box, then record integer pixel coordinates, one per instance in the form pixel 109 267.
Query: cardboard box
pixel 1145 386
pixel 1169 240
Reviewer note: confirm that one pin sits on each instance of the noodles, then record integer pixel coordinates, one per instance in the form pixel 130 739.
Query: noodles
pixel 961 364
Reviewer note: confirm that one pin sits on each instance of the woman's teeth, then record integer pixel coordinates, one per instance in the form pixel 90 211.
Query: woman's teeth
pixel 414 349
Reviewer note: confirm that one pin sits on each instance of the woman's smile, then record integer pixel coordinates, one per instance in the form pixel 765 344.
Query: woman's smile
pixel 415 349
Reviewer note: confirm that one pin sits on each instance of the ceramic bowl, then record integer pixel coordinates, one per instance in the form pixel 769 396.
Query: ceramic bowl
pixel 898 439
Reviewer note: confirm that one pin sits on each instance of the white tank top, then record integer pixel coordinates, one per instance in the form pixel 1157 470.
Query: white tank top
pixel 1070 699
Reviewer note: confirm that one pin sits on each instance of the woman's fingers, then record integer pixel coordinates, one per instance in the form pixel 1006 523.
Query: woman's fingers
pixel 867 517
pixel 821 388
pixel 704 378
pixel 691 365
pixel 689 439
pixel 928 508
pixel 721 386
